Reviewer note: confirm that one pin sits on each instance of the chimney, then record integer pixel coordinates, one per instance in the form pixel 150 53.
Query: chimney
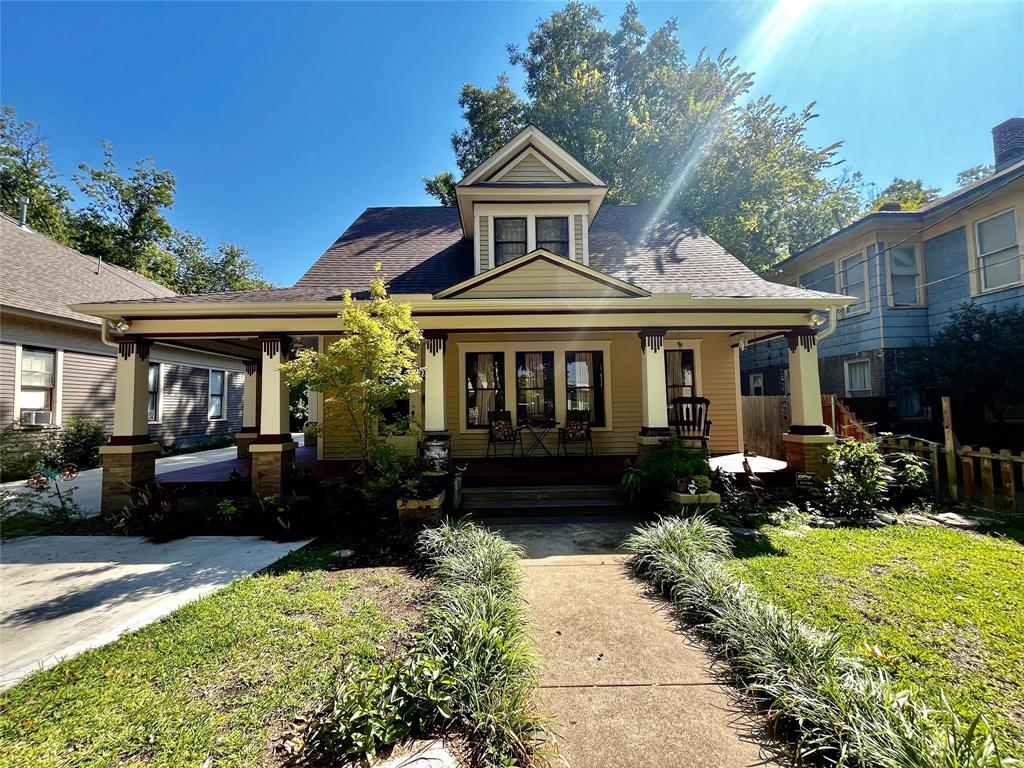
pixel 1008 142
pixel 22 211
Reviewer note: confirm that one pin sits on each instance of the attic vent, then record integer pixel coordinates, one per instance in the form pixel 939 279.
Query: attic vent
pixel 890 207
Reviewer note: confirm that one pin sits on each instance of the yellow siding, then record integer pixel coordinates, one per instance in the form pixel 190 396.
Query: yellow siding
pixel 718 384
pixel 529 170
pixel 578 237
pixel 540 279
pixel 485 242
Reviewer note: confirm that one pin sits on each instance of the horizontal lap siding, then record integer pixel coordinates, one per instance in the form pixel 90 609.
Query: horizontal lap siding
pixel 540 279
pixel 6 384
pixel 88 387
pixel 530 170
pixel 184 407
pixel 718 384
pixel 578 238
pixel 485 243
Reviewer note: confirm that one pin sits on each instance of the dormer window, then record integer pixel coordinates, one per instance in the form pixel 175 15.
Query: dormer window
pixel 509 239
pixel 553 234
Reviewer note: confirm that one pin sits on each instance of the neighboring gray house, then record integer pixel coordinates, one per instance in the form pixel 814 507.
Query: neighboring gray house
pixel 54 363
pixel 910 270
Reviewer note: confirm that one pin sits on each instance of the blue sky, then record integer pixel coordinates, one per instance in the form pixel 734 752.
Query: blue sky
pixel 282 122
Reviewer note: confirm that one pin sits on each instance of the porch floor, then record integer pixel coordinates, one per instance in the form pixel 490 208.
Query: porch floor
pixel 536 470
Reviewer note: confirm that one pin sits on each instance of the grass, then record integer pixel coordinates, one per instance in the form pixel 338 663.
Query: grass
pixel 939 609
pixel 215 683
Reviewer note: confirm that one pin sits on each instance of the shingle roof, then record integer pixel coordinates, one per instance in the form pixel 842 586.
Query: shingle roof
pixel 422 250
pixel 41 275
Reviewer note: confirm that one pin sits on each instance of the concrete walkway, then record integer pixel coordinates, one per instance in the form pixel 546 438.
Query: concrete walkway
pixel 87 485
pixel 623 684
pixel 62 595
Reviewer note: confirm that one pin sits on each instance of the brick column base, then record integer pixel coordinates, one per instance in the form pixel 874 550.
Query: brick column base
pixel 649 444
pixel 126 469
pixel 242 442
pixel 807 452
pixel 271 467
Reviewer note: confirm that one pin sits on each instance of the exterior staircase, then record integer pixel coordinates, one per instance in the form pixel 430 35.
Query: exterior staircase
pixel 543 500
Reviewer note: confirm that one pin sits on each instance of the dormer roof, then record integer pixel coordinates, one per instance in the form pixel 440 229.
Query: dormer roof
pixel 530 166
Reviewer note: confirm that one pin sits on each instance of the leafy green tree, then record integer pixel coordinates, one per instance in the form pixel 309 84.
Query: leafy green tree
pixel 659 127
pixel 442 187
pixel 974 173
pixel 977 357
pixel 200 271
pixel 373 366
pixel 124 222
pixel 909 194
pixel 26 170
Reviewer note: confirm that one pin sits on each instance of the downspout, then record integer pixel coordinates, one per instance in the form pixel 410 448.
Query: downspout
pixel 104 327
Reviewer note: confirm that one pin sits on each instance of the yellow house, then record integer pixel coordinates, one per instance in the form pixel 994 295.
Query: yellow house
pixel 534 297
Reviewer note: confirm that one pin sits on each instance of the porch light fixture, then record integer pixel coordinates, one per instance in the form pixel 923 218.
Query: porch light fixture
pixel 815 320
pixel 122 326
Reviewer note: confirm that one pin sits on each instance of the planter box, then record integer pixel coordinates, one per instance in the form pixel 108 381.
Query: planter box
pixel 693 499
pixel 421 509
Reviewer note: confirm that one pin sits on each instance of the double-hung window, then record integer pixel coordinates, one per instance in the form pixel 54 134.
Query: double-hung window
pixel 37 382
pixel 553 234
pixel 679 374
pixel 218 395
pixel 858 378
pixel 584 383
pixel 854 282
pixel 998 251
pixel 485 386
pixel 509 239
pixel 535 387
pixel 153 388
pixel 906 281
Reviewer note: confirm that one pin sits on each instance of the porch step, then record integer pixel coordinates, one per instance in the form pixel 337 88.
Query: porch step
pixel 505 493
pixel 543 507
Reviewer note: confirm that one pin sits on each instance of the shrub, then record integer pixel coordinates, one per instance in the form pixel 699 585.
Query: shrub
pixel 864 480
pixel 658 473
pixel 79 442
pixel 839 712
pixel 22 450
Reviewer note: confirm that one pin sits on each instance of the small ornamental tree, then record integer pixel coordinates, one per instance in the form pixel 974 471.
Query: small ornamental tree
pixel 370 368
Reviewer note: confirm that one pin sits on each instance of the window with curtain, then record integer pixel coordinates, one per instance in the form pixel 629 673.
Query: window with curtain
pixel 218 394
pixel 509 240
pixel 584 384
pixel 553 234
pixel 535 387
pixel 153 404
pixel 680 377
pixel 998 252
pixel 37 380
pixel 853 282
pixel 858 378
pixel 906 281
pixel 485 384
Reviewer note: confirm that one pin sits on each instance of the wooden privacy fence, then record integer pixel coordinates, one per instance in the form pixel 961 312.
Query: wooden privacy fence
pixel 765 418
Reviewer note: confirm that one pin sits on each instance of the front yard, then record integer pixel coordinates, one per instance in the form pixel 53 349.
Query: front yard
pixel 219 681
pixel 941 609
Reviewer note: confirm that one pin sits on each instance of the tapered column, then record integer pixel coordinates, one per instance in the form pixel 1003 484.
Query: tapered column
pixel 250 409
pixel 273 451
pixel 808 437
pixel 129 460
pixel 434 347
pixel 654 408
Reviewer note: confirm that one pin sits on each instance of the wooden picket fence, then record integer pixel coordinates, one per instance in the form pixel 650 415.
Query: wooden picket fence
pixel 765 418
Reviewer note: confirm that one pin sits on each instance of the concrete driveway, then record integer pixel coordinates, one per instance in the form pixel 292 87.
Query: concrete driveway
pixel 62 595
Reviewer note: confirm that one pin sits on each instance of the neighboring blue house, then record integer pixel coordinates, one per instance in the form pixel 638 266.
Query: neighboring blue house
pixel 910 270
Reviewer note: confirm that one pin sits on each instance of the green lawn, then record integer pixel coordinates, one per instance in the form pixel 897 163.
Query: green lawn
pixel 946 607
pixel 215 683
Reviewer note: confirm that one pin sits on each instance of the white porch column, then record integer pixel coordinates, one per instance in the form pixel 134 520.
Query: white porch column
pixel 434 347
pixel 250 409
pixel 129 460
pixel 654 411
pixel 273 451
pixel 808 437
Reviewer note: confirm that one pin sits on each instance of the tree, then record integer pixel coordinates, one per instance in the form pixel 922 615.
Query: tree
pixel 974 173
pixel 908 194
pixel 442 186
pixel 976 357
pixel 199 271
pixel 373 366
pixel 660 128
pixel 124 222
pixel 26 170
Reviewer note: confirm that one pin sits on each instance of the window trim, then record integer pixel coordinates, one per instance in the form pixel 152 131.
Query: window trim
pixel 841 274
pixel 502 396
pixel 548 386
pixel 54 388
pixel 751 385
pixel 158 409
pixel 922 292
pixel 846 376
pixel 597 388
pixel 569 234
pixel 496 242
pixel 223 395
pixel 978 283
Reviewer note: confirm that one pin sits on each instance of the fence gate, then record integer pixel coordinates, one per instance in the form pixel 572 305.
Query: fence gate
pixel 765 418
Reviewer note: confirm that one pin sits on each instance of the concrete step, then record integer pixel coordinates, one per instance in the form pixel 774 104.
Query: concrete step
pixel 541 492
pixel 529 507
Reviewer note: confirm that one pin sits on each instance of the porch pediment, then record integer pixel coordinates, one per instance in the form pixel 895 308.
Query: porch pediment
pixel 542 274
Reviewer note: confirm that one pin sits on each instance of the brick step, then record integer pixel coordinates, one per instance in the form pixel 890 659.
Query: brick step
pixel 541 492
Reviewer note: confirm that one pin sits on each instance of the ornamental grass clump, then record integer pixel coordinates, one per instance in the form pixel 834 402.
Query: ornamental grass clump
pixel 830 705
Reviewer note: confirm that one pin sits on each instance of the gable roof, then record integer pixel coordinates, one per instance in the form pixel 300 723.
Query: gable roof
pixel 531 140
pixel 40 275
pixel 541 274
